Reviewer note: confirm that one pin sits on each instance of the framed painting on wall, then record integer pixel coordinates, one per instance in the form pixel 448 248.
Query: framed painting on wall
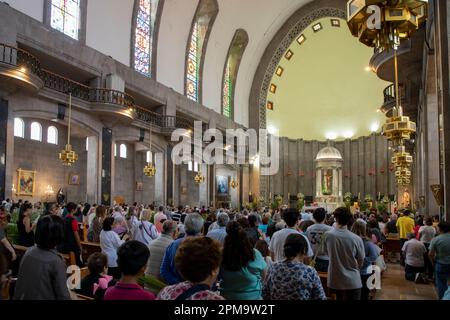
pixel 222 185
pixel 139 186
pixel 74 179
pixel 26 182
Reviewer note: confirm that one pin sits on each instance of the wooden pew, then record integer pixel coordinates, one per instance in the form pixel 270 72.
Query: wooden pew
pixel 324 278
pixel 68 258
pixel 89 248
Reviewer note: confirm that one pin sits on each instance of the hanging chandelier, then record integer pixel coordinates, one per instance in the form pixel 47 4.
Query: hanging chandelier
pixel 149 169
pixel 68 156
pixel 383 24
pixel 199 178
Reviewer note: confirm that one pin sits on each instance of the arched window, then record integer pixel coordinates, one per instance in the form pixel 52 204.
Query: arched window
pixel 115 149
pixel 123 151
pixel 52 135
pixel 65 17
pixel 19 128
pixel 36 131
pixel 146 22
pixel 149 157
pixel 205 15
pixel 87 144
pixel 235 53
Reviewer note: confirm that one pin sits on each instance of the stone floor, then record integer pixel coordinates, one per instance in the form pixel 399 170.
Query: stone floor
pixel 395 287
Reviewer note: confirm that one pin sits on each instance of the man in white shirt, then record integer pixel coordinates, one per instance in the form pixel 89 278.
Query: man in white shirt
pixel 220 232
pixel 276 246
pixel 414 253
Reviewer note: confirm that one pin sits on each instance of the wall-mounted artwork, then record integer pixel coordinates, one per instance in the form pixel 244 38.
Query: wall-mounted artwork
pixel 26 182
pixel 222 185
pixel 74 179
pixel 139 186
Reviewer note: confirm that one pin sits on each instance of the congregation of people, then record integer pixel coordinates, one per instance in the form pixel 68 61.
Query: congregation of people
pixel 215 254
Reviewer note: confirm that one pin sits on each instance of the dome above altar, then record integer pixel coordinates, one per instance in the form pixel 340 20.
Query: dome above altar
pixel 329 153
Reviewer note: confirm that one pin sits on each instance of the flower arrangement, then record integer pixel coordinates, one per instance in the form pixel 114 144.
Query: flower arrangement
pixel 300 201
pixel 348 196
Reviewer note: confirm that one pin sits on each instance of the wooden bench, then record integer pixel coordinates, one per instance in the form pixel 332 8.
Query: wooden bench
pixel 324 279
pixel 89 248
pixel 68 258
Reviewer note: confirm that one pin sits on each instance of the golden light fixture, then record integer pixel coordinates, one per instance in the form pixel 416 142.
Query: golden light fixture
pixel 149 169
pixel 383 24
pixel 234 183
pixel 398 127
pixel 68 156
pixel 199 178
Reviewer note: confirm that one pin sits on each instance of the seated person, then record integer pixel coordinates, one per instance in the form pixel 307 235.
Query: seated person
pixel 95 284
pixel 414 253
pixel 132 259
pixel 198 261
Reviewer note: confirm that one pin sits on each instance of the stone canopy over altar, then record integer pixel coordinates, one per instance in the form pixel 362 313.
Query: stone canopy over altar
pixel 328 164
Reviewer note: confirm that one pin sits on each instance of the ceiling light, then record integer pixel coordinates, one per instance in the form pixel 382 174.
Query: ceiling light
pixel 331 135
pixel 348 134
pixel 272 130
pixel 375 127
pixel 368 68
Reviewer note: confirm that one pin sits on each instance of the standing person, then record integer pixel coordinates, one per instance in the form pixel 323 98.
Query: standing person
pixel 51 208
pixel 198 260
pixel 193 226
pixel 440 254
pixel 25 226
pixel 145 231
pixel 390 229
pixel 132 259
pixel 176 216
pixel 371 255
pixel 160 217
pixel 315 235
pixel 42 273
pixel 95 228
pixel 414 252
pixel 276 245
pixel 71 241
pixel 5 246
pixel 291 279
pixel 158 248
pixel 220 233
pixel 346 252
pixel 110 242
pixel 272 227
pixel 405 224
pixel 426 234
pixel 243 267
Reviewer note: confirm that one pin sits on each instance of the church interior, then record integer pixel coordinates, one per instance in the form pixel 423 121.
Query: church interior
pixel 181 132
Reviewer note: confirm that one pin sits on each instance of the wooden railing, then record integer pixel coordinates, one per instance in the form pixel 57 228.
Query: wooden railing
pixel 20 58
pixel 390 95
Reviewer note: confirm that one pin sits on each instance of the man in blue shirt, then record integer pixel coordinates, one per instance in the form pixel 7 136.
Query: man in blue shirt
pixel 193 225
pixel 220 233
pixel 440 255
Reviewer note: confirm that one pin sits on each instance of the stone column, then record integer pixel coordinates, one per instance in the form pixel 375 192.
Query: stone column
pixel 203 187
pixel 335 182
pixel 340 184
pixel 92 177
pixel 170 177
pixel 3 149
pixel 107 159
pixel 159 179
pixel 318 182
pixel 176 184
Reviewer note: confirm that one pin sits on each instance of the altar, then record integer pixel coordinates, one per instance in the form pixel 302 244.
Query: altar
pixel 329 193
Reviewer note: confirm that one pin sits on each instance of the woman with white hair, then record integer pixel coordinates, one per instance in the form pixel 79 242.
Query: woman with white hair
pixel 144 231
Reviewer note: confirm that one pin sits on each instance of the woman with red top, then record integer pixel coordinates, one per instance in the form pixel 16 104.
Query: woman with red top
pixel 198 261
pixel 132 259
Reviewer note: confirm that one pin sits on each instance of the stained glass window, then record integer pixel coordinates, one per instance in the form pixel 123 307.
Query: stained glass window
pixel 193 65
pixel 145 19
pixel 65 16
pixel 227 92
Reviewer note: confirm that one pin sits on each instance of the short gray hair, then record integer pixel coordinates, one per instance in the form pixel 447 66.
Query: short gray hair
pixel 193 224
pixel 223 219
pixel 411 235
pixel 276 217
pixel 169 227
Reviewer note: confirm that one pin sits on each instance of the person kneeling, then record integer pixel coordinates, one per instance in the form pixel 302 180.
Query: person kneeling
pixel 414 251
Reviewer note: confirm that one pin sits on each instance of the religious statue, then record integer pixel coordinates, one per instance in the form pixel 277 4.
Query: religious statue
pixel 327 183
pixel 60 197
pixel 406 199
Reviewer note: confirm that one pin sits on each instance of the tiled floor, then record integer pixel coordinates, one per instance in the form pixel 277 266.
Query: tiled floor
pixel 395 287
